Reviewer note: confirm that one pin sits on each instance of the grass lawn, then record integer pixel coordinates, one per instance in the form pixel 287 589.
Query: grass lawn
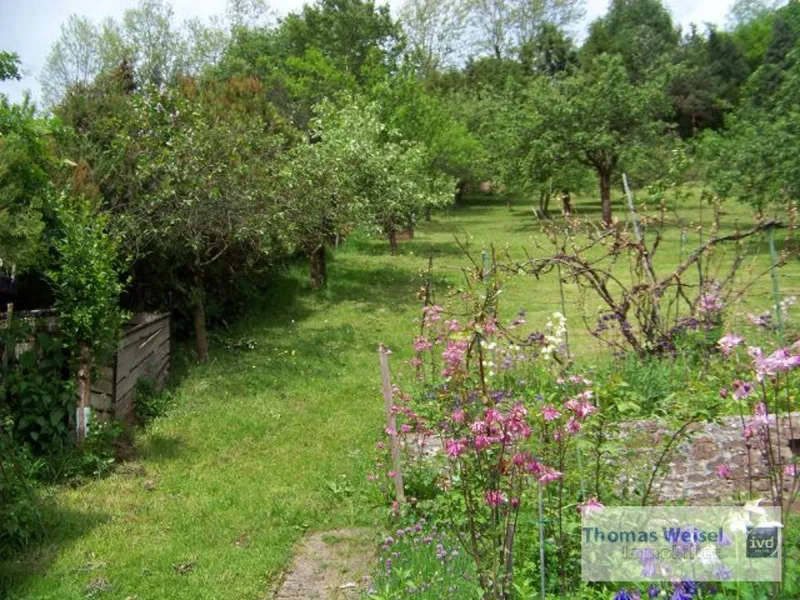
pixel 263 445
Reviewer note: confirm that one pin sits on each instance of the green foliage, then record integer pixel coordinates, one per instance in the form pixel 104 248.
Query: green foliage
pixel 641 32
pixel 26 168
pixel 9 65
pixel 431 121
pixel 20 522
pixel 350 33
pixel 149 403
pixel 711 69
pixel 86 282
pixel 360 172
pixel 36 393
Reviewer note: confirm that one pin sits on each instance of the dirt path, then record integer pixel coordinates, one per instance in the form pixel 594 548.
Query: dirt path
pixel 331 565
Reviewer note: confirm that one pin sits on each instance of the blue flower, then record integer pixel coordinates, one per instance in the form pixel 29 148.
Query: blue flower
pixel 723 573
pixel 623 594
pixel 685 590
pixel 652 591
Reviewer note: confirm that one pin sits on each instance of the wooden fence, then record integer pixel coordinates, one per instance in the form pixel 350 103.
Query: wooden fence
pixel 143 351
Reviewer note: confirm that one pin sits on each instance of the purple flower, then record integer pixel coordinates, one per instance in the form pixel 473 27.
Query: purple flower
pixel 722 573
pixel 623 594
pixel 742 389
pixel 728 342
pixel 652 591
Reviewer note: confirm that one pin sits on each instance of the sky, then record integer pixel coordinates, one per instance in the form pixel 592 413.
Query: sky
pixel 30 27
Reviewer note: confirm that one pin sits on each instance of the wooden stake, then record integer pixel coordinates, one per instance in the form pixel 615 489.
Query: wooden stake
pixel 391 423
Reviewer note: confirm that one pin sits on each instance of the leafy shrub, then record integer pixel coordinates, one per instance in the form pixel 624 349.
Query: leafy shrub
pixel 19 517
pixel 149 402
pixel 35 391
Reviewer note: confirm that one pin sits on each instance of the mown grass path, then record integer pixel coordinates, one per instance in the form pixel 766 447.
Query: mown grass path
pixel 265 444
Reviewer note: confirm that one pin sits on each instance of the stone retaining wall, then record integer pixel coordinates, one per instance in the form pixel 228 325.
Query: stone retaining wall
pixel 691 467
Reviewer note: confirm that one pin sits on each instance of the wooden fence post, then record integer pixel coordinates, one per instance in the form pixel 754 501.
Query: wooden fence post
pixel 391 423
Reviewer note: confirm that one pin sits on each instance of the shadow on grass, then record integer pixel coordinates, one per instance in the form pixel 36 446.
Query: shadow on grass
pixel 61 528
pixel 159 448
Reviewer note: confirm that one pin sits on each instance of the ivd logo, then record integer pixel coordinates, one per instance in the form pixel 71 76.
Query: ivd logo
pixel 762 542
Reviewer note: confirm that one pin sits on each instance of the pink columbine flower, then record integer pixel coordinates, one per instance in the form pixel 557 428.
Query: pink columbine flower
pixel 723 392
pixel 495 497
pixel 432 313
pixel 455 448
pixel 584 409
pixel 493 416
pixel 518 412
pixel 515 503
pixel 723 471
pixel 458 416
pixel 490 327
pixel 558 435
pixel 478 427
pixel 573 425
pixel 415 362
pixel 422 343
pixel 550 413
pixel 547 475
pixel 592 505
pixel 452 325
pixel 405 428
pixel 454 352
pixel 482 442
pixel 728 342
pixel 747 432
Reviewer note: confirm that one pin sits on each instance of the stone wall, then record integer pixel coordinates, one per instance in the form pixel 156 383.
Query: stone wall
pixel 690 472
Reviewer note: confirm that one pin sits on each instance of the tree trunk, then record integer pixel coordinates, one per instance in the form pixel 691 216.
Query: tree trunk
pixel 84 390
pixel 200 332
pixel 319 267
pixel 461 190
pixel 605 196
pixel 392 241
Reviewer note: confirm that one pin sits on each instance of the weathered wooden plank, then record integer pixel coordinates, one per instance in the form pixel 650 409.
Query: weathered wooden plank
pixel 153 337
pixel 145 369
pixel 102 402
pixel 123 407
pixel 137 331
pixel 142 336
pixel 103 386
pixel 129 359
